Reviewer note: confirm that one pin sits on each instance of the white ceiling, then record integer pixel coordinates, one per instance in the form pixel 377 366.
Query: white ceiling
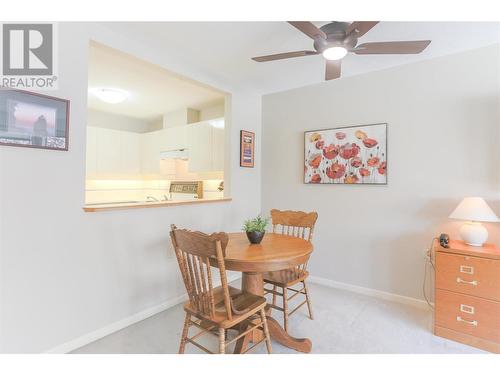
pixel 224 48
pixel 152 90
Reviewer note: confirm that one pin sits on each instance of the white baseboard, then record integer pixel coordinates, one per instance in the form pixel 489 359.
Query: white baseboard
pixel 123 323
pixel 368 292
pixel 114 327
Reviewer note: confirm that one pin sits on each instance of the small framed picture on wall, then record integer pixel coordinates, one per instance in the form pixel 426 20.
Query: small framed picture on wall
pixel 247 149
pixel 29 119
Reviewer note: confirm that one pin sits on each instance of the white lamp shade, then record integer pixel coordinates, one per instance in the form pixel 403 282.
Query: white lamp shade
pixel 474 209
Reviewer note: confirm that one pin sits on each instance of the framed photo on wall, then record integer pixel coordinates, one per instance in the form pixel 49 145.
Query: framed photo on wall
pixel 348 155
pixel 247 149
pixel 30 119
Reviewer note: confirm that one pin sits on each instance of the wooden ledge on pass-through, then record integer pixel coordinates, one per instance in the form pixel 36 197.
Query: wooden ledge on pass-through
pixel 133 205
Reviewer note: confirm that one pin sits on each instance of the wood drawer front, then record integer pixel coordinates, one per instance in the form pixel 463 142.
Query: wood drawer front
pixel 470 315
pixel 470 275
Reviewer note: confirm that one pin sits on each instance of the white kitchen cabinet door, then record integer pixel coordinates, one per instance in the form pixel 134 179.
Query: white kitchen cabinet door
pixel 200 146
pixel 218 149
pixel 179 138
pixel 174 138
pixel 108 151
pixel 150 152
pixel 130 153
pixel 91 152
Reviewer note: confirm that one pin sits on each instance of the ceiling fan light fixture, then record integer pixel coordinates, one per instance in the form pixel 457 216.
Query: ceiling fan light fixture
pixel 334 53
pixel 336 39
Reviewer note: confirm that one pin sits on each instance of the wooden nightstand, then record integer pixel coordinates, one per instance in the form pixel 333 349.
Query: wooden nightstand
pixel 467 296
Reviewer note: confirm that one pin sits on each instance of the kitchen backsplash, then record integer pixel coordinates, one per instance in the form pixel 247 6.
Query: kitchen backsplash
pixel 104 191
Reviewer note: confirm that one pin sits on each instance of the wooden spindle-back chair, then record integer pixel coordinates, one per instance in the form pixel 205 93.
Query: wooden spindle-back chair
pixel 216 309
pixel 298 224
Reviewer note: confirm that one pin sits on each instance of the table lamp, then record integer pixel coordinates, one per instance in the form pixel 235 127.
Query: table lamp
pixel 474 210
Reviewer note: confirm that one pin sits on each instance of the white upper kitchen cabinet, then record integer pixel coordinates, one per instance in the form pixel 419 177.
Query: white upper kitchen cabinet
pixel 130 153
pixel 91 152
pixel 108 151
pixel 150 152
pixel 122 154
pixel 112 153
pixel 218 149
pixel 174 138
pixel 206 147
pixel 200 147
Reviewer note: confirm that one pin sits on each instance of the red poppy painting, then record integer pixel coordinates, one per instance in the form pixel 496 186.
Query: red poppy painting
pixel 350 155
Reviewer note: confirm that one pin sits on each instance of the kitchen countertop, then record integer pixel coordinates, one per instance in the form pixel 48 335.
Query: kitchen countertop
pixel 131 205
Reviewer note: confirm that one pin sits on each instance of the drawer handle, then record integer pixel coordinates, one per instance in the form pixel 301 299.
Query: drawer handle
pixel 473 282
pixel 472 323
pixel 467 309
pixel 467 269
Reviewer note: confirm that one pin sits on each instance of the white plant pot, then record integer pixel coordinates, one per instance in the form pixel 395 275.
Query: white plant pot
pixel 474 233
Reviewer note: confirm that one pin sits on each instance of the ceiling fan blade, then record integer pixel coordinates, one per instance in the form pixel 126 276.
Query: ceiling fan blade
pixel 407 47
pixel 332 69
pixel 285 55
pixel 360 27
pixel 308 28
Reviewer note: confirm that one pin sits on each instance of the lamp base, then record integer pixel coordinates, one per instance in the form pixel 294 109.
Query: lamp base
pixel 474 234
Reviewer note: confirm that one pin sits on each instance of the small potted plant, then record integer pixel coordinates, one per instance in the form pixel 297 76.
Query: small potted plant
pixel 255 229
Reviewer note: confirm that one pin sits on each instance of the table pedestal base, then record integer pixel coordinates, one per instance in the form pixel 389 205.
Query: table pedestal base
pixel 280 335
pixel 252 282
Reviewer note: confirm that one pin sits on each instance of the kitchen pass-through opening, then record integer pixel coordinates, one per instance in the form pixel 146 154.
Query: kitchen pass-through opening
pixel 152 136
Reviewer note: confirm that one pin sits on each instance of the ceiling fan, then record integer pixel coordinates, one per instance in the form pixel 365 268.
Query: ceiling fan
pixel 334 40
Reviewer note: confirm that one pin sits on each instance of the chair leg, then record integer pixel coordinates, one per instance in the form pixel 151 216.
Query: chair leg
pixel 285 310
pixel 184 334
pixel 266 331
pixel 308 299
pixel 222 340
pixel 275 289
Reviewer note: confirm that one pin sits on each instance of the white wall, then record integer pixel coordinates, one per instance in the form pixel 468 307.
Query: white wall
pixel 64 272
pixel 107 120
pixel 212 112
pixel 443 131
pixel 180 117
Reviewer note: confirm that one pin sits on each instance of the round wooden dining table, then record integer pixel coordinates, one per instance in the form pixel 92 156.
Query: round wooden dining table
pixel 275 252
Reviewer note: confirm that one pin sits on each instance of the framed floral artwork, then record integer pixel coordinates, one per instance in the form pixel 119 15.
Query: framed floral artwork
pixel 348 155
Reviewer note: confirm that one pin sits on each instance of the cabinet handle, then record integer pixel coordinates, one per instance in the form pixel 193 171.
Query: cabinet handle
pixel 472 323
pixel 467 269
pixel 473 282
pixel 467 309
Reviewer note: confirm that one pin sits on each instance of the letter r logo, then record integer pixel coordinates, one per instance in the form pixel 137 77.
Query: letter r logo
pixel 27 49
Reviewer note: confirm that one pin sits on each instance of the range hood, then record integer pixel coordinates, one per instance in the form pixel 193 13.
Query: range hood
pixel 182 154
